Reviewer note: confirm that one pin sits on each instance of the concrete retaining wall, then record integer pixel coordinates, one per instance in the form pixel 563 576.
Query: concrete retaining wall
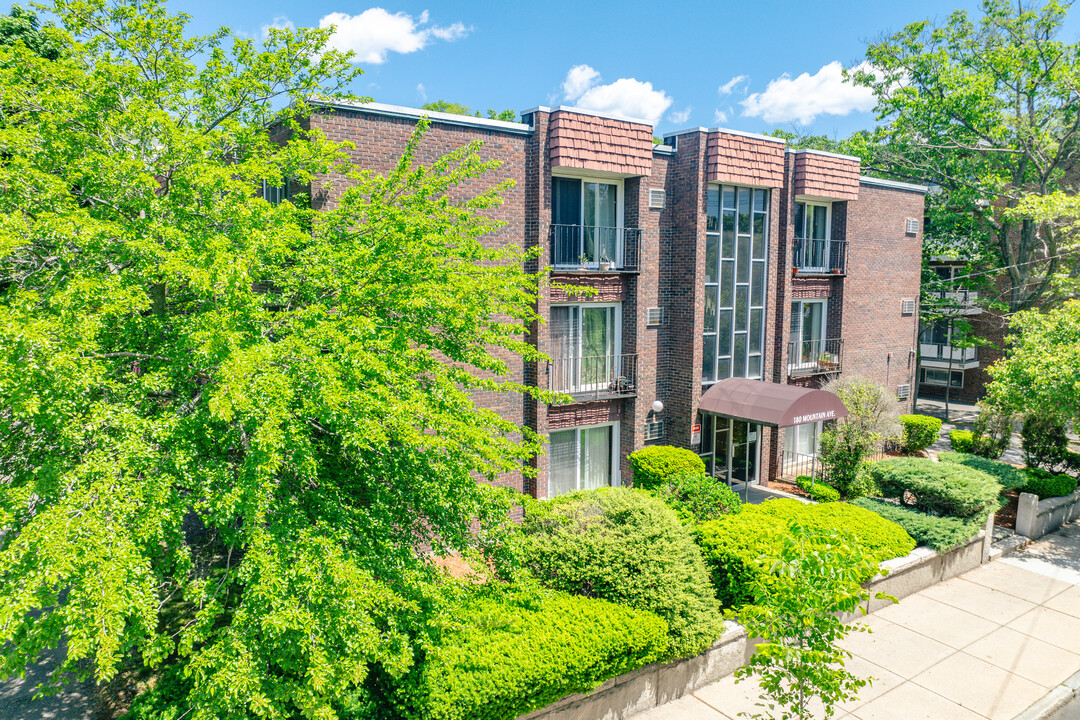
pixel 1035 518
pixel 924 567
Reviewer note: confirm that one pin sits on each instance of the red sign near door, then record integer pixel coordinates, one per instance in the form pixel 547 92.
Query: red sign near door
pixel 695 434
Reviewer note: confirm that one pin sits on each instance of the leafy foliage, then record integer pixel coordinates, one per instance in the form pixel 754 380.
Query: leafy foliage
pixel 961 440
pixel 942 488
pixel 920 432
pixel 257 416
pixel 1047 485
pixel 735 545
pixel 625 546
pixel 818 491
pixel 1045 443
pixel 814 578
pixel 873 414
pixel 935 532
pixel 992 433
pixel 459 109
pixel 1009 476
pixel 696 498
pixel 22 26
pixel 655 464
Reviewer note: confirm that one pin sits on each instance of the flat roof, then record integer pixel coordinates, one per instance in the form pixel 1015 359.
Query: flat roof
pixel 583 111
pixel 417 113
pixel 729 131
pixel 894 184
pixel 825 153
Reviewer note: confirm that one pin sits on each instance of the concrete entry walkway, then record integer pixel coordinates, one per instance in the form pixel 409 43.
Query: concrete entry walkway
pixel 984 645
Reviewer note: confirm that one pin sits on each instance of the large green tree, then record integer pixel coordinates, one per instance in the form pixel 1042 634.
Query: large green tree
pixel 230 430
pixel 988 109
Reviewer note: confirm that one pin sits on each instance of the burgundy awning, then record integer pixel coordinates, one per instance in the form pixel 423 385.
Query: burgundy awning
pixel 771 404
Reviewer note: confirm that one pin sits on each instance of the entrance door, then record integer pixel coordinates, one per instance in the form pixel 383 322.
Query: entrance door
pixel 735 450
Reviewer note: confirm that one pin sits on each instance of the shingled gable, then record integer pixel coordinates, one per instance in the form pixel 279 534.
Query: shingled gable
pixel 826 175
pixel 591 142
pixel 744 159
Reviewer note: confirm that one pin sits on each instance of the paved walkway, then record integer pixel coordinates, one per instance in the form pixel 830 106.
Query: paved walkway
pixel 984 645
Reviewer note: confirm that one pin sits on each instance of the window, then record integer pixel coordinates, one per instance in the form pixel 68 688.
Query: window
pixel 736 242
pixel 808 321
pixel 801 440
pixel 811 237
pixel 934 376
pixel 586 218
pixel 275 194
pixel 585 342
pixel 583 458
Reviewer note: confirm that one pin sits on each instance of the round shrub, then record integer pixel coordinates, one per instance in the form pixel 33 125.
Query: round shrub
pixel 627 547
pixel 1047 484
pixel 962 441
pixel 696 498
pixel 1009 476
pixel 818 491
pixel 942 488
pixel 739 547
pixel 654 464
pixel 1045 443
pixel 920 432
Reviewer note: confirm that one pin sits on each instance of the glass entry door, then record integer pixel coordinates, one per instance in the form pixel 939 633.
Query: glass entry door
pixel 735 450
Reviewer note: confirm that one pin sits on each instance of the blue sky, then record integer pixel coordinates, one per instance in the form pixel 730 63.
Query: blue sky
pixel 751 65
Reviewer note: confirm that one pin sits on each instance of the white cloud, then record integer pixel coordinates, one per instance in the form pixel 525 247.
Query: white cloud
pixel 720 117
pixel 626 97
pixel 680 116
pixel 803 98
pixel 421 91
pixel 729 87
pixel 375 32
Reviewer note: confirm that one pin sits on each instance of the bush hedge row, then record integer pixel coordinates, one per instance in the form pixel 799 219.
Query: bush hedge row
pixel 507 657
pixel 1009 476
pixel 1047 484
pixel 935 532
pixel 817 490
pixel 696 497
pixel 654 464
pixel 962 441
pixel 737 547
pixel 941 488
pixel 920 432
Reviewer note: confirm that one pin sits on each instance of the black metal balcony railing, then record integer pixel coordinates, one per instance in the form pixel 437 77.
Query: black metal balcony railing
pixel 594 248
pixel 813 357
pixel 795 464
pixel 593 377
pixel 820 256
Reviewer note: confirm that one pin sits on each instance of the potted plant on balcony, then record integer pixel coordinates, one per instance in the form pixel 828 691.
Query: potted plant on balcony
pixel 795 271
pixel 824 360
pixel 607 265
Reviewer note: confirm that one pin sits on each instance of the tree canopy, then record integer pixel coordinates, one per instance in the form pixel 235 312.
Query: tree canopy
pixel 987 109
pixel 458 109
pixel 230 430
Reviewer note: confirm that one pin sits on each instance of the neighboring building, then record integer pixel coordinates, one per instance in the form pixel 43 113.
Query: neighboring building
pixel 717 255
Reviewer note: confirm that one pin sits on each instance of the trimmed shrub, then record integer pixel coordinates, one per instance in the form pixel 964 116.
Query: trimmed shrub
pixel 504 657
pixel 1047 485
pixel 933 531
pixel 627 547
pixel 818 491
pixel 1010 477
pixel 962 441
pixel 941 488
pixel 1045 443
pixel 738 547
pixel 697 498
pixel 654 464
pixel 920 432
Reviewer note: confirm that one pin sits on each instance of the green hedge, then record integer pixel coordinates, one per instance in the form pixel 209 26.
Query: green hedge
pixel 625 546
pixel 507 657
pixel 935 532
pixel 941 488
pixel 737 547
pixel 818 491
pixel 696 498
pixel 654 464
pixel 920 432
pixel 962 441
pixel 1047 485
pixel 1009 476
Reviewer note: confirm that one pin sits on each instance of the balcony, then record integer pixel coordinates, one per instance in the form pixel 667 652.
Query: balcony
pixel 598 377
pixel 965 301
pixel 819 257
pixel 815 357
pixel 936 355
pixel 599 249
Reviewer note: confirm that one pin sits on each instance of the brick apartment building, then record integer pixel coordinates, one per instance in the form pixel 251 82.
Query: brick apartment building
pixel 731 278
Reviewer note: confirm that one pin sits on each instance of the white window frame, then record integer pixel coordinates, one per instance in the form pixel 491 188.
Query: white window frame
pixel 824 301
pixel 616 343
pixel 615 459
pixel 937 383
pixel 828 233
pixel 620 204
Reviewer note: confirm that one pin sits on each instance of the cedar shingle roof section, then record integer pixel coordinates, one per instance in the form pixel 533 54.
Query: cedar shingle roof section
pixel 826 175
pixel 589 142
pixel 744 160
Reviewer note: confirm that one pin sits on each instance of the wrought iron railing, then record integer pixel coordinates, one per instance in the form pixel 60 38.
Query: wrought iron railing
pixel 593 377
pixel 795 464
pixel 587 247
pixel 819 256
pixel 812 357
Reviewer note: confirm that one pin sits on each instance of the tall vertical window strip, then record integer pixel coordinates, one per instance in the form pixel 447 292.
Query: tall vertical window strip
pixel 736 238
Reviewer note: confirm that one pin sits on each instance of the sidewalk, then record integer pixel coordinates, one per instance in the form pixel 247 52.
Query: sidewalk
pixel 984 645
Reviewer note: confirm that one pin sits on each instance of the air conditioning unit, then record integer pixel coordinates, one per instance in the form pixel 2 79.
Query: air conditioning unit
pixel 654 316
pixel 903 392
pixel 912 226
pixel 907 307
pixel 656 198
pixel 654 430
